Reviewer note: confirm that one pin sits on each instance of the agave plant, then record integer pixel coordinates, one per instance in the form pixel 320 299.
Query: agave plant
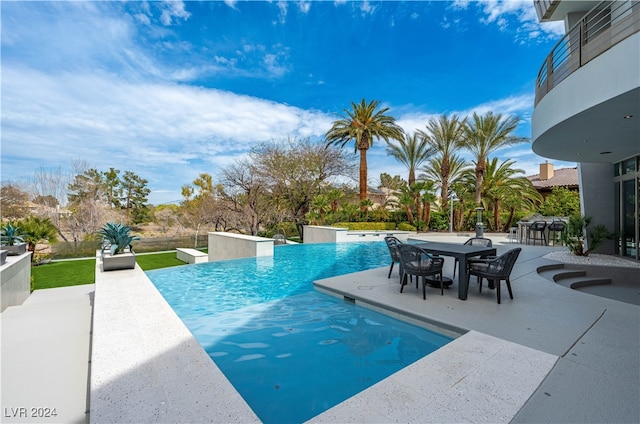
pixel 11 235
pixel 116 237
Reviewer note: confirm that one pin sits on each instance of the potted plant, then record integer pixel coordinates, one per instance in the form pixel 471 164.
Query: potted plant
pixel 12 241
pixel 117 252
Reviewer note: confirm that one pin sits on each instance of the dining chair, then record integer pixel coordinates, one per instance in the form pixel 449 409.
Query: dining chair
pixel 416 262
pixel 393 244
pixel 495 269
pixel 473 241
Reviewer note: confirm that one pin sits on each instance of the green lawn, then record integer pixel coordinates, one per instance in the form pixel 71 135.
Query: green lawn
pixel 82 271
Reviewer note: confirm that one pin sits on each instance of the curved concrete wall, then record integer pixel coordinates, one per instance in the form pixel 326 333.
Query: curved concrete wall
pixel 611 74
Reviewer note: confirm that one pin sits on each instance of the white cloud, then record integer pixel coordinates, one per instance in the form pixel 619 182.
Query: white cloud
pixel 159 130
pixel 518 16
pixel 172 9
pixel 304 6
pixel 367 8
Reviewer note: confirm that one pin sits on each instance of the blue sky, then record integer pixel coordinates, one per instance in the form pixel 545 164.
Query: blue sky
pixel 172 89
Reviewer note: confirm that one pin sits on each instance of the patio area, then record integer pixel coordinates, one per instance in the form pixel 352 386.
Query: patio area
pixel 551 355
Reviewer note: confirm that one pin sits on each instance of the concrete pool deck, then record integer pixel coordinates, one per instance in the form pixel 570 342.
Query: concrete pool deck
pixel 551 355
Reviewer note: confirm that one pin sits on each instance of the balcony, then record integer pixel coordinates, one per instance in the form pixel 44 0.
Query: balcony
pixel 604 26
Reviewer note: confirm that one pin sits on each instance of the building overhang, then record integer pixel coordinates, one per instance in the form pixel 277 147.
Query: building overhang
pixel 607 132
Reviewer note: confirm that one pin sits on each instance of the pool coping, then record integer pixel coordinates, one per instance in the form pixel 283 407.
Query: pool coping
pixel 146 366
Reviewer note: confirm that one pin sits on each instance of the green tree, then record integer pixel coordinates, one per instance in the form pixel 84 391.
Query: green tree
pixel 433 172
pixel 334 196
pixel 362 124
pixel 561 202
pixel 112 187
pixel 201 207
pixel 446 135
pixel 483 136
pixel 406 200
pixel 411 152
pixel 36 230
pixel 320 205
pixel 501 184
pixel 86 186
pixel 134 197
pixel 428 197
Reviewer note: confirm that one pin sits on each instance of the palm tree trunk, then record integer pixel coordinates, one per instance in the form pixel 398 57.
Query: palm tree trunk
pixel 479 181
pixel 496 214
pixel 444 190
pixel 363 174
pixel 409 215
pixel 427 215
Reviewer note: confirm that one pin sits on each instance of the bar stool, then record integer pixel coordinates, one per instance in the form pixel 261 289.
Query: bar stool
pixel 514 237
pixel 554 228
pixel 536 232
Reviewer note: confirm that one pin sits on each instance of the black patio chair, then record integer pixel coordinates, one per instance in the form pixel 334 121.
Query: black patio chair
pixel 495 269
pixel 415 261
pixel 556 228
pixel 536 232
pixel 393 244
pixel 474 241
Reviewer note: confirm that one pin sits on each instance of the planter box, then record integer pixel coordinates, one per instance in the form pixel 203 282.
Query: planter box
pixel 126 260
pixel 16 249
pixel 3 256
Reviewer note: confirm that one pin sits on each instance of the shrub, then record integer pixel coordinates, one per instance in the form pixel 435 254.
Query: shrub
pixel 574 235
pixel 405 226
pixel 366 226
pixel 439 221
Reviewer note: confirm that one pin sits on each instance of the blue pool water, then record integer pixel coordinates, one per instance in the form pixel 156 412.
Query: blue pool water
pixel 290 351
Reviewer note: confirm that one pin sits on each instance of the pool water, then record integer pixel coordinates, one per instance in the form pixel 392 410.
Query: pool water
pixel 290 351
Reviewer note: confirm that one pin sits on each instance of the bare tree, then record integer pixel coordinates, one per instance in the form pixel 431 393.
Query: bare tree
pixel 49 190
pixel 245 193
pixel 295 171
pixel 13 201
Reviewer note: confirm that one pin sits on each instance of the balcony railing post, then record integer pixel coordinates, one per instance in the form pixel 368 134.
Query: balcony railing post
pixel 549 83
pixel 582 40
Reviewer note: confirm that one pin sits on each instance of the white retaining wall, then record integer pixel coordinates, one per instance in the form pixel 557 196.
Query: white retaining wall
pixel 15 275
pixel 319 234
pixel 232 246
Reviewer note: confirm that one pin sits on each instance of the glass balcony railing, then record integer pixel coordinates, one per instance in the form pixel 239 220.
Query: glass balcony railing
pixel 604 26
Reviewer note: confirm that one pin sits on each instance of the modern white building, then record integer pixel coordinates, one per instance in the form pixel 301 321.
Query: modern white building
pixel 587 109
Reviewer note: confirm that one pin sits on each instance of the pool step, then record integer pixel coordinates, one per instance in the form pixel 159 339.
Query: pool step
pixel 572 278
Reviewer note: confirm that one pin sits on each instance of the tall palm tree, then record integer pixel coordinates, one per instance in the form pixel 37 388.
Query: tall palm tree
pixel 501 184
pixel 486 134
pixel 446 135
pixel 362 124
pixel 434 171
pixel 411 152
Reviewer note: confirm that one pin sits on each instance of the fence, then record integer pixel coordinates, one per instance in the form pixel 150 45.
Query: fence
pixel 83 249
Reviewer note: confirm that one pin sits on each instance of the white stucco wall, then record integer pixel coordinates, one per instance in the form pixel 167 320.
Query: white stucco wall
pixel 15 276
pixel 232 246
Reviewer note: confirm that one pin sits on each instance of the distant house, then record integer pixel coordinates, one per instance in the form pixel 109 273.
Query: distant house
pixel 548 178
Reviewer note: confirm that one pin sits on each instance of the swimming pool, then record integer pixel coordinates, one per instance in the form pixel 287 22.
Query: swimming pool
pixel 290 351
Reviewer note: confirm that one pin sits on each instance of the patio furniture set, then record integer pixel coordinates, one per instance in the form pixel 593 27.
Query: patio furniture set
pixel 476 257
pixel 542 231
